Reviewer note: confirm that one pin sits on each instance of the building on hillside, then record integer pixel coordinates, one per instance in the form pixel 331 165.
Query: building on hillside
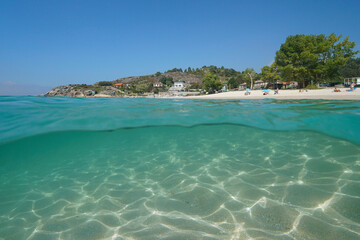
pixel 158 85
pixel 178 86
pixel 129 85
pixel 119 85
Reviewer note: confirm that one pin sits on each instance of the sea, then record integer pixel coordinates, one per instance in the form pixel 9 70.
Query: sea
pixel 139 168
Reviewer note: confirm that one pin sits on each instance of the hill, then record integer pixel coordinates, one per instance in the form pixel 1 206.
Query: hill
pixel 144 84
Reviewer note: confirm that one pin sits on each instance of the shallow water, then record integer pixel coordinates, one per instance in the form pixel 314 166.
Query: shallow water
pixel 209 180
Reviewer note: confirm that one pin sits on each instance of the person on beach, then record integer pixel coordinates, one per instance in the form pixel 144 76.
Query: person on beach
pixel 277 91
pixel 352 87
pixel 336 90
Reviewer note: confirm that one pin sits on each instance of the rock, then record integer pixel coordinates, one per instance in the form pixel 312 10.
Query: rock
pixel 65 91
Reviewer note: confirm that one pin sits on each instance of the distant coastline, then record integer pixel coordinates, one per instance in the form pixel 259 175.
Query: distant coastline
pixel 294 94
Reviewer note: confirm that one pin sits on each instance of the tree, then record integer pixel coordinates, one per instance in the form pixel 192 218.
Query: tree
pixel 229 72
pixel 233 83
pixel 351 68
pixel 250 74
pixel 270 73
pixel 213 69
pixel 166 80
pixel 211 83
pixel 143 87
pixel 316 58
pixel 105 83
pixel 194 85
pixel 175 70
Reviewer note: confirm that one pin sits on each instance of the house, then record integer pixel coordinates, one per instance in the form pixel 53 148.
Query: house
pixel 158 85
pixel 259 84
pixel 119 85
pixel 277 84
pixel 178 86
pixel 242 86
pixel 291 84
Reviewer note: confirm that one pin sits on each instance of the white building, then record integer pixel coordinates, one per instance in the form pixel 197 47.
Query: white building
pixel 348 81
pixel 178 86
pixel 158 85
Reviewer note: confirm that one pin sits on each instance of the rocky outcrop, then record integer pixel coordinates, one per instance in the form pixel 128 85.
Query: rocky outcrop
pixel 79 90
pixel 65 91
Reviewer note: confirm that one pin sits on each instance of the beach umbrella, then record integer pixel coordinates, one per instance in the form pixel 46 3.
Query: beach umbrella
pixel 248 89
pixel 266 90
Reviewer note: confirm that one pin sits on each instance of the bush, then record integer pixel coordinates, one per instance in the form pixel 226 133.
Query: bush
pixel 312 86
pixel 105 83
pixel 167 80
pixel 97 89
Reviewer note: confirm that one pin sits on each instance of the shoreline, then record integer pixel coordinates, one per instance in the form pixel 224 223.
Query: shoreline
pixel 325 94
pixel 286 94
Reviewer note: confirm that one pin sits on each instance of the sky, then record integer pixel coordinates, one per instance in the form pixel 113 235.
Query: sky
pixel 48 43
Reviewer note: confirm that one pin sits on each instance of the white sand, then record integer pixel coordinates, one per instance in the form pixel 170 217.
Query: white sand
pixel 285 94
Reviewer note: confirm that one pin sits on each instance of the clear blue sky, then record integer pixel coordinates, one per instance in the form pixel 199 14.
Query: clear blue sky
pixel 49 43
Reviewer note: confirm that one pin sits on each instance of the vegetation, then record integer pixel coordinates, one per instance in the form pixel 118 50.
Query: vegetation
pixel 270 73
pixel 143 87
pixel 312 86
pixel 175 70
pixel 250 75
pixel 351 68
pixel 105 83
pixel 168 81
pixel 233 82
pixel 195 86
pixel 220 72
pixel 313 58
pixel 211 83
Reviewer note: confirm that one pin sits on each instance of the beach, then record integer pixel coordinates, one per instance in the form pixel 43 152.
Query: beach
pixel 326 94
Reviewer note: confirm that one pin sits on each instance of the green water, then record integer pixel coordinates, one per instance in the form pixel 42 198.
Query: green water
pixel 207 181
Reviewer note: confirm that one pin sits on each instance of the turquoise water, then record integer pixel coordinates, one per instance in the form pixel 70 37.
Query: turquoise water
pixel 179 169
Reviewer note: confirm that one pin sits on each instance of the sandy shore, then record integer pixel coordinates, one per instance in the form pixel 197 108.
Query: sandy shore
pixel 284 94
